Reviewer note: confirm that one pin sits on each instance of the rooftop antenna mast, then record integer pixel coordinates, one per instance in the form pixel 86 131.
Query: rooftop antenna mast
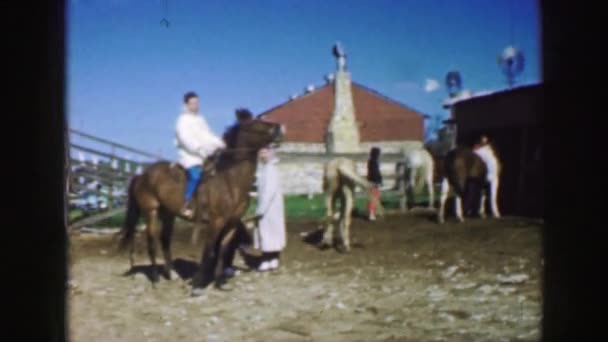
pixel 511 60
pixel 165 7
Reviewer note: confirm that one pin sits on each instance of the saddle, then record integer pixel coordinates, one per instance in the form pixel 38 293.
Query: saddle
pixel 209 168
pixel 179 174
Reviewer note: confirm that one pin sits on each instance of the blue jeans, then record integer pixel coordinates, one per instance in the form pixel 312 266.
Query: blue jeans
pixel 194 176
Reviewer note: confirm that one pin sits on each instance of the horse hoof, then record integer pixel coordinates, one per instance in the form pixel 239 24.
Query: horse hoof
pixel 155 278
pixel 197 292
pixel 223 286
pixel 323 245
pixel 342 249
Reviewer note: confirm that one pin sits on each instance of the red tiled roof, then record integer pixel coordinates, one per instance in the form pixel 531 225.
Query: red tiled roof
pixel 380 118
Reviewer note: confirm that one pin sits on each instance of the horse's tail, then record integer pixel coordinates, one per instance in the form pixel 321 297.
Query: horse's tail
pixel 357 179
pixel 133 213
pixel 420 179
pixel 354 177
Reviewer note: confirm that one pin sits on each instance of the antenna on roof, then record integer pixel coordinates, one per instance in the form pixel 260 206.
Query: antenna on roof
pixel 453 82
pixel 512 63
pixel 165 22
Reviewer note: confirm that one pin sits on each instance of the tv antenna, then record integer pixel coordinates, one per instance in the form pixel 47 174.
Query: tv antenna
pixel 453 83
pixel 511 60
pixel 512 63
pixel 165 7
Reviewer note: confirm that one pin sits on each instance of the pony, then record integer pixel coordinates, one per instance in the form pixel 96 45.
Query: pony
pixel 416 170
pixel 339 180
pixel 462 165
pixel 220 201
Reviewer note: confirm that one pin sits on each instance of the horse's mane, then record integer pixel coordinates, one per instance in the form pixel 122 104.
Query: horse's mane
pixel 231 134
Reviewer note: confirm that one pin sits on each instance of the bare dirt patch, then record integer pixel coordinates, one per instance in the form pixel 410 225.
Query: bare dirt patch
pixel 406 279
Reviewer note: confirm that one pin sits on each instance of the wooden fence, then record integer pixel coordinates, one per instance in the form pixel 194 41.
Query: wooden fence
pixel 99 175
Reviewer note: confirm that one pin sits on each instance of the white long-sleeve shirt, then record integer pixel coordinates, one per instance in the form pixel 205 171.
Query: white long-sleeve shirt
pixel 195 140
pixel 487 155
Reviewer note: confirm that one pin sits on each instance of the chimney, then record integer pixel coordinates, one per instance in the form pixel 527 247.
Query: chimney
pixel 343 131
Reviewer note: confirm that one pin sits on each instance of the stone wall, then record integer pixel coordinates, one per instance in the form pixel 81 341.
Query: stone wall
pixel 390 146
pixel 302 173
pixel 302 148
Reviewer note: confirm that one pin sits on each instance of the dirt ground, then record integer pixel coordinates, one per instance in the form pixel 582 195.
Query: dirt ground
pixel 406 279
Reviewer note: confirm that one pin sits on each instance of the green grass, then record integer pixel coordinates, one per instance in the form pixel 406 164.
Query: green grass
pixel 297 207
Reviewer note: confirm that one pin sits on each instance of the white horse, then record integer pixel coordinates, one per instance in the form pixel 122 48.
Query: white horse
pixel 418 169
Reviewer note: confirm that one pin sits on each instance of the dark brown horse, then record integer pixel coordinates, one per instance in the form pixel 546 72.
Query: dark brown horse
pixel 460 166
pixel 220 200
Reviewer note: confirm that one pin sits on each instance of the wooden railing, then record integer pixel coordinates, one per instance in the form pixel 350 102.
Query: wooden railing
pixel 99 175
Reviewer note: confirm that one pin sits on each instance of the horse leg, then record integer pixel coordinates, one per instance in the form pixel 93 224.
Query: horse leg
pixel 403 201
pixel 482 202
pixel 132 252
pixel 347 209
pixel 196 231
pixel 445 188
pixel 328 235
pixel 204 274
pixel 165 239
pixel 412 186
pixel 153 237
pixel 429 186
pixel 458 202
pixel 224 245
pixel 494 197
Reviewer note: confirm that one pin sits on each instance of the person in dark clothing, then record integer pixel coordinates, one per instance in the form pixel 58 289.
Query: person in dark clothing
pixel 375 177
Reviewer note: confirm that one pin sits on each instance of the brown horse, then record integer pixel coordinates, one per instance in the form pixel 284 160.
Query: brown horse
pixel 459 166
pixel 221 199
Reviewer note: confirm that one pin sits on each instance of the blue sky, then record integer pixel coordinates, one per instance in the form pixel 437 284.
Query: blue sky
pixel 127 74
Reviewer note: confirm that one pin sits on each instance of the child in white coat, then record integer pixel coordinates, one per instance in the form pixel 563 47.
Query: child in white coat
pixel 270 235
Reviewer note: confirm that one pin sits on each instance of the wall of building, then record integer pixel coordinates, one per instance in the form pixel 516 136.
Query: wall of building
pixel 302 173
pixel 390 146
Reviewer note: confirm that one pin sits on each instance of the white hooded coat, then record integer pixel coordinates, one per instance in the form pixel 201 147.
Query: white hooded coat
pixel 194 139
pixel 487 155
pixel 270 235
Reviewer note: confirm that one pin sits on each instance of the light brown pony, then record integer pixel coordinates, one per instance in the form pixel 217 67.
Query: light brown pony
pixel 220 200
pixel 339 180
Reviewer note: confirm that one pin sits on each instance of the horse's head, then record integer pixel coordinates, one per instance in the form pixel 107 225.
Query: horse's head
pixel 252 134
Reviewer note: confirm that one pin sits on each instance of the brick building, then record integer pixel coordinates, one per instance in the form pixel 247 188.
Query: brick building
pixel 341 118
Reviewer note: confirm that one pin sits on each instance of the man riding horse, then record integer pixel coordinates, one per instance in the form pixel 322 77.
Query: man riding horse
pixel 195 142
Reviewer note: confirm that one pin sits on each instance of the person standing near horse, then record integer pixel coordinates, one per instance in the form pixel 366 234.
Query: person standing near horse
pixel 195 142
pixel 375 177
pixel 270 236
